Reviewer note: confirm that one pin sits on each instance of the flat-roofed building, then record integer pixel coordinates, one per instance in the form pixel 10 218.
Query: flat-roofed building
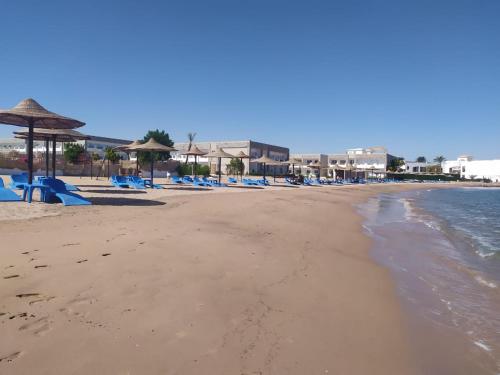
pixel 304 160
pixel 249 147
pixel 95 144
pixel 468 168
pixel 368 162
pixel 354 162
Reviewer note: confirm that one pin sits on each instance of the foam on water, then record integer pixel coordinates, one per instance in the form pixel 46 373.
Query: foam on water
pixel 431 240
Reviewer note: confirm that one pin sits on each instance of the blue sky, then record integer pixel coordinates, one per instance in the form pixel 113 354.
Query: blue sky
pixel 419 77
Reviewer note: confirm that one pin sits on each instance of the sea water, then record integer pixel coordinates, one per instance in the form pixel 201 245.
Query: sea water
pixel 443 248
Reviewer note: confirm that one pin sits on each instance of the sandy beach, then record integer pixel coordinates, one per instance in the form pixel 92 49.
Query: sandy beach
pixel 188 281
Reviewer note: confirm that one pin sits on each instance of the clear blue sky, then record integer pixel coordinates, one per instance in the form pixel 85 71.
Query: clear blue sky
pixel 420 77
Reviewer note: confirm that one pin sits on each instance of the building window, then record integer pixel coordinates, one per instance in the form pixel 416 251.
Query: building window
pixel 415 169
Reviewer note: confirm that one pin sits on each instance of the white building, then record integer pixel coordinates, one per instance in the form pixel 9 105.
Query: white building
pixel 417 167
pixel 468 168
pixel 94 144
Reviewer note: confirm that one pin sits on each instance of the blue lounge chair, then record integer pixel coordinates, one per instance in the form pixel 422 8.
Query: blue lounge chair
pixel 136 182
pixel 120 181
pixel 250 182
pixel 17 181
pixel 69 187
pixel 57 190
pixel 198 182
pixel 7 195
pixel 177 180
pixel 141 183
pixel 232 180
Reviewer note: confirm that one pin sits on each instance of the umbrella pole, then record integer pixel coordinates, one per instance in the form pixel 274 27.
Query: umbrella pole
pixel 264 172
pixel 91 164
pixel 152 166
pixel 195 165
pixel 47 153
pixel 53 156
pixel 30 152
pixel 274 173
pixel 220 167
pixel 241 169
pixel 137 163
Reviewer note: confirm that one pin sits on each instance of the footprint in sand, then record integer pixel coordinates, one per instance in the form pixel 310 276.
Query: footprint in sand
pixel 106 254
pixel 81 260
pixel 41 266
pixel 71 308
pixel 39 327
pixel 10 276
pixel 43 299
pixel 19 315
pixel 11 357
pixel 27 295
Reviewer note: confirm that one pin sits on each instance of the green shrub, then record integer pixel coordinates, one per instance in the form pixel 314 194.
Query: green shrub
pixel 72 152
pixel 186 169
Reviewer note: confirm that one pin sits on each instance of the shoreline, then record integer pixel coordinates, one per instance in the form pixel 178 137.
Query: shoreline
pixel 451 309
pixel 231 283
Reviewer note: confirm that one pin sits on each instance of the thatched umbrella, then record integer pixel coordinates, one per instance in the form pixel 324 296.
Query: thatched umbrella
pixel 219 154
pixel 152 146
pixel 292 162
pixel 241 155
pixel 194 151
pixel 128 149
pixel 315 165
pixel 28 113
pixel 267 161
pixel 54 135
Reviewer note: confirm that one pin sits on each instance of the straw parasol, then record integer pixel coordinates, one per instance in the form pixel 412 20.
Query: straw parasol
pixel 28 113
pixel 152 146
pixel 54 135
pixel 127 149
pixel 241 155
pixel 219 153
pixel 292 162
pixel 266 161
pixel 193 150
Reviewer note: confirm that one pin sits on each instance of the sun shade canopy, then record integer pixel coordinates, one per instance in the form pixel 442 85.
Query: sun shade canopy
pixel 151 145
pixel 194 150
pixel 29 112
pixel 61 135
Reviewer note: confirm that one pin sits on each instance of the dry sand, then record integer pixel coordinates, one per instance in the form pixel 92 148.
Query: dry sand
pixel 225 281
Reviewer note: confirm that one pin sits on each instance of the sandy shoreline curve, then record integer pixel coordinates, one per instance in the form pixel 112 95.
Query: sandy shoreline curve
pixel 274 281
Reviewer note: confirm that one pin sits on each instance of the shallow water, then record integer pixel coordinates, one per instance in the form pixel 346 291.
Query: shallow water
pixel 442 246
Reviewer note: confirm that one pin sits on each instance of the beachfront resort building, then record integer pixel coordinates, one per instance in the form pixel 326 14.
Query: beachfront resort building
pixel 94 144
pixel 468 168
pixel 419 167
pixel 355 162
pixel 249 147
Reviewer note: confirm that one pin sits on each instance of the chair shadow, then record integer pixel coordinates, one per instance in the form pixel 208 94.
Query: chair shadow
pixel 246 187
pixel 187 188
pixel 112 201
pixel 115 191
pixel 287 186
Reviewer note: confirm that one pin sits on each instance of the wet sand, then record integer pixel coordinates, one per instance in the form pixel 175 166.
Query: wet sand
pixel 225 281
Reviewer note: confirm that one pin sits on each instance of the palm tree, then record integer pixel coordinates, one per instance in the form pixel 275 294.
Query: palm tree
pixel 439 159
pixel 191 137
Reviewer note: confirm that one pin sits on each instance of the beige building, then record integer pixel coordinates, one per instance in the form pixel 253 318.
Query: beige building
pixel 252 148
pixel 355 162
pixel 304 160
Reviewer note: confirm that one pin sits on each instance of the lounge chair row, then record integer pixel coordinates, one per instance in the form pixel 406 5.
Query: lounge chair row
pixel 135 182
pixel 196 181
